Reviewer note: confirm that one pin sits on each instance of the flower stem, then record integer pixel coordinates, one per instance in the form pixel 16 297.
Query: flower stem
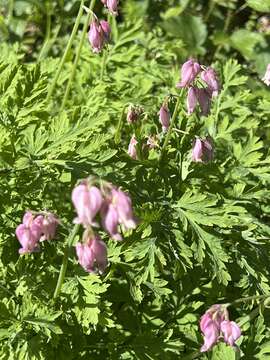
pixel 169 133
pixel 117 136
pixel 74 67
pixel 63 269
pixel 249 298
pixel 64 57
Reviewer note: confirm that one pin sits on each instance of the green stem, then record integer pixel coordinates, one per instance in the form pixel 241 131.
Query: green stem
pixel 253 313
pixel 117 136
pixel 103 66
pixel 250 298
pixel 169 133
pixel 64 57
pixel 74 67
pixel 63 269
pixel 48 30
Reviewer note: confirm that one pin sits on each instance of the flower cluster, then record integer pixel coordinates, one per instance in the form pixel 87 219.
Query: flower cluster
pixel 111 6
pixel 34 229
pixel 108 206
pixel 99 34
pixel 215 325
pixel 199 95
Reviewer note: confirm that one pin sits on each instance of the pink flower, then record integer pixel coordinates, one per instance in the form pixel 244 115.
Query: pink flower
pixel 189 71
pixel 49 225
pixel 210 330
pixel 266 78
pixel 29 232
pixel 209 76
pixel 202 150
pixel 87 201
pixel 132 151
pixel 106 29
pixel 204 100
pixel 112 6
pixel 164 117
pixel 191 100
pixel 92 254
pixel 110 221
pixel 231 332
pixel 95 36
pixel 123 205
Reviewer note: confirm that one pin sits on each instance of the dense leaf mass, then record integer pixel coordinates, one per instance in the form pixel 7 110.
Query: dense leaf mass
pixel 203 233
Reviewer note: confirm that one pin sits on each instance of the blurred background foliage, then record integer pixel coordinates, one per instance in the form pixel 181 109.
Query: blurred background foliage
pixel 213 29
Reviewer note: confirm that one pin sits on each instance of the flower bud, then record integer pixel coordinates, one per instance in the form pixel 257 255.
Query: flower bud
pixel 209 76
pixel 132 114
pixel 231 332
pixel 164 117
pixel 189 71
pixel 96 37
pixel 87 201
pixel 92 254
pixel 123 205
pixel 112 6
pixel 202 150
pixel 191 100
pixel 132 151
pixel 266 78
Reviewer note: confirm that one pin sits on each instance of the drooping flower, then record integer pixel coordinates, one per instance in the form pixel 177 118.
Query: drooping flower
pixel 210 330
pixel 164 117
pixel 209 76
pixel 112 6
pixel 92 254
pixel 132 151
pixel 215 326
pixel 110 220
pixel 123 205
pixel 49 225
pixel 29 232
pixel 95 36
pixel 191 100
pixel 231 332
pixel 87 201
pixel 266 78
pixel 203 150
pixel 189 71
pixel 204 99
pixel 105 26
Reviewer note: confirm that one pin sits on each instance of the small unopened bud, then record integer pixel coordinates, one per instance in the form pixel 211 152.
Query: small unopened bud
pixel 191 100
pixel 132 151
pixel 112 6
pixel 164 117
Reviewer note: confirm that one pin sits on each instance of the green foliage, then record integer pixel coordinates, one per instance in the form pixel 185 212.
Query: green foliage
pixel 203 232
